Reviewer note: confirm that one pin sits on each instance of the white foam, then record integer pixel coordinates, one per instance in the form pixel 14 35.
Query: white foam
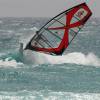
pixel 48 95
pixel 77 58
pixel 9 63
pixel 34 57
pixel 74 58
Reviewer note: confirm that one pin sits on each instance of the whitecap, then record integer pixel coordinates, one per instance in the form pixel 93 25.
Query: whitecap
pixel 10 63
pixel 73 58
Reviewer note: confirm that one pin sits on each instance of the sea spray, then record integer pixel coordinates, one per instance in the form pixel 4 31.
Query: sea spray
pixel 75 58
pixel 10 63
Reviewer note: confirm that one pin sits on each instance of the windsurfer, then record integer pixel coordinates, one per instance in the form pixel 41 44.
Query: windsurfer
pixel 21 49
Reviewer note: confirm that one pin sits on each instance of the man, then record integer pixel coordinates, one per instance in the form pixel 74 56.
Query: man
pixel 21 49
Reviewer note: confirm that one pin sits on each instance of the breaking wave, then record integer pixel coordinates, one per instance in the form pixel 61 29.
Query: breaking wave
pixel 32 57
pixel 10 63
pixel 74 58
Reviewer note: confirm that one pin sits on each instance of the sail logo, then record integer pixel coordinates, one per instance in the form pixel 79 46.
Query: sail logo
pixel 81 13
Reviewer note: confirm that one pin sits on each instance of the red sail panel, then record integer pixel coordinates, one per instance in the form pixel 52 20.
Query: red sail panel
pixel 55 36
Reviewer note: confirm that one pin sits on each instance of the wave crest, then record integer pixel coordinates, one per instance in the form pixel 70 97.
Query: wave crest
pixel 74 58
pixel 9 63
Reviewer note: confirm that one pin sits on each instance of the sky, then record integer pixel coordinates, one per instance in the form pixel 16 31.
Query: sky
pixel 42 8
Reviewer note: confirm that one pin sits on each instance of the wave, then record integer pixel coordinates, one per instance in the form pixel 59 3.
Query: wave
pixel 32 57
pixel 10 63
pixel 74 58
pixel 11 60
pixel 48 95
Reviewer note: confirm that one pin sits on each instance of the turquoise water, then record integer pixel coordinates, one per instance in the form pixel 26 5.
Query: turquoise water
pixel 37 76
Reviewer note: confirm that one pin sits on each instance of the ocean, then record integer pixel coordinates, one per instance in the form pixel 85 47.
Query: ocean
pixel 35 76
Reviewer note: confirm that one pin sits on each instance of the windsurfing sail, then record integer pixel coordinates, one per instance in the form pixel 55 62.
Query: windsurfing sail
pixel 56 35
